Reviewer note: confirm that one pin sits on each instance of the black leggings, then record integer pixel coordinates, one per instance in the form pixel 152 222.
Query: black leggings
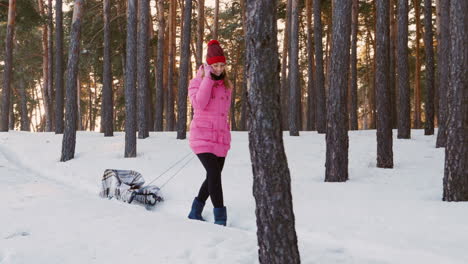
pixel 212 185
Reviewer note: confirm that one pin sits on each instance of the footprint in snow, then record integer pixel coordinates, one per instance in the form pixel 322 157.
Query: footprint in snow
pixel 18 234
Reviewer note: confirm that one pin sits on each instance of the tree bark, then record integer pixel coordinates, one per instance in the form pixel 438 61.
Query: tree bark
pixel 7 73
pixel 69 135
pixel 443 70
pixel 276 233
pixel 294 85
pixel 320 101
pixel 310 70
pixel 142 68
pixel 184 68
pixel 353 117
pixel 428 47
pixel 130 81
pixel 244 105
pixel 59 103
pixel 456 152
pixel 404 115
pixel 417 88
pixel 336 165
pixel 384 122
pixel 107 93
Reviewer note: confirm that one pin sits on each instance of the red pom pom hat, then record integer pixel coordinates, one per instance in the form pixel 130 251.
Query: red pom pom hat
pixel 215 53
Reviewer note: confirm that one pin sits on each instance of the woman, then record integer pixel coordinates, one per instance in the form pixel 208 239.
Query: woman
pixel 210 136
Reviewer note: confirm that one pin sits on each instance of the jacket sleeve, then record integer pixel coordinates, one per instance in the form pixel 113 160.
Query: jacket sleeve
pixel 200 92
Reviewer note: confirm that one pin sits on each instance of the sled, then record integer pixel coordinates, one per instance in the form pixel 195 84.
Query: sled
pixel 127 186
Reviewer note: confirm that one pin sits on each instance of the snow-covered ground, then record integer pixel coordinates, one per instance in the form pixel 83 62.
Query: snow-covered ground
pixel 51 211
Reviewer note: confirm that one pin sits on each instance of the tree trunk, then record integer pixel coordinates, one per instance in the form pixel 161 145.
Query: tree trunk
pixel 200 31
pixel 404 115
pixel 11 123
pixel 244 105
pixel 294 85
pixel 184 68
pixel 58 67
pixel 353 118
pixel 158 124
pixel 50 63
pixel 320 101
pixel 142 67
pixel 272 181
pixel 417 88
pixel 78 101
pixel 456 152
pixel 7 73
pixel 428 47
pixel 384 112
pixel 336 166
pixel 392 58
pixel 107 93
pixel 285 89
pixel 443 70
pixel 130 81
pixel 69 135
pixel 216 20
pixel 24 106
pixel 310 70
pixel 171 74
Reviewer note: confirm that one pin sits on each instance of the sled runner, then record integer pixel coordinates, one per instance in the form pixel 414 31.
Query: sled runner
pixel 127 186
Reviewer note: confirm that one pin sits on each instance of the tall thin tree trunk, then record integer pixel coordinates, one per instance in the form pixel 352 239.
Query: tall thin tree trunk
pixel 24 106
pixel 320 101
pixel 69 135
pixel 130 81
pixel 443 70
pixel 216 20
pixel 12 121
pixel 159 74
pixel 336 165
pixel 50 63
pixel 243 121
pixel 456 152
pixel 7 76
pixel 143 67
pixel 382 72
pixel 294 85
pixel 272 181
pixel 107 93
pixel 171 72
pixel 428 47
pixel 392 58
pixel 353 118
pixel 200 31
pixel 310 70
pixel 417 88
pixel 184 68
pixel 58 67
pixel 404 115
pixel 285 89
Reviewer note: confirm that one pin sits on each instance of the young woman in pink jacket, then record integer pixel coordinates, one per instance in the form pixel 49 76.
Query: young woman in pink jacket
pixel 210 136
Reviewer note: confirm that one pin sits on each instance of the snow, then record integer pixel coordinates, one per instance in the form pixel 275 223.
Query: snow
pixel 51 211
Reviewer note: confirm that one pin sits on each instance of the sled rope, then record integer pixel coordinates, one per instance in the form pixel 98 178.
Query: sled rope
pixel 183 158
pixel 177 172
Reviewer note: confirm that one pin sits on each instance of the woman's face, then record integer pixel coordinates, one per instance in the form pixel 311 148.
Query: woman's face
pixel 218 68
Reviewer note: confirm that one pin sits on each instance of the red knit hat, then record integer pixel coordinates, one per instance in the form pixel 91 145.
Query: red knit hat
pixel 215 53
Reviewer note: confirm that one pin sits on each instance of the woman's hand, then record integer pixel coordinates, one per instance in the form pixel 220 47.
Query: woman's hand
pixel 207 70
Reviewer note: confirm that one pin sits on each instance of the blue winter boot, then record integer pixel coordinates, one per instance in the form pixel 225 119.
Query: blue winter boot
pixel 220 215
pixel 197 208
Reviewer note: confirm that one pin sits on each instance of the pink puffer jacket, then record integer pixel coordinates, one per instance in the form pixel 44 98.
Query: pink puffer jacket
pixel 209 129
